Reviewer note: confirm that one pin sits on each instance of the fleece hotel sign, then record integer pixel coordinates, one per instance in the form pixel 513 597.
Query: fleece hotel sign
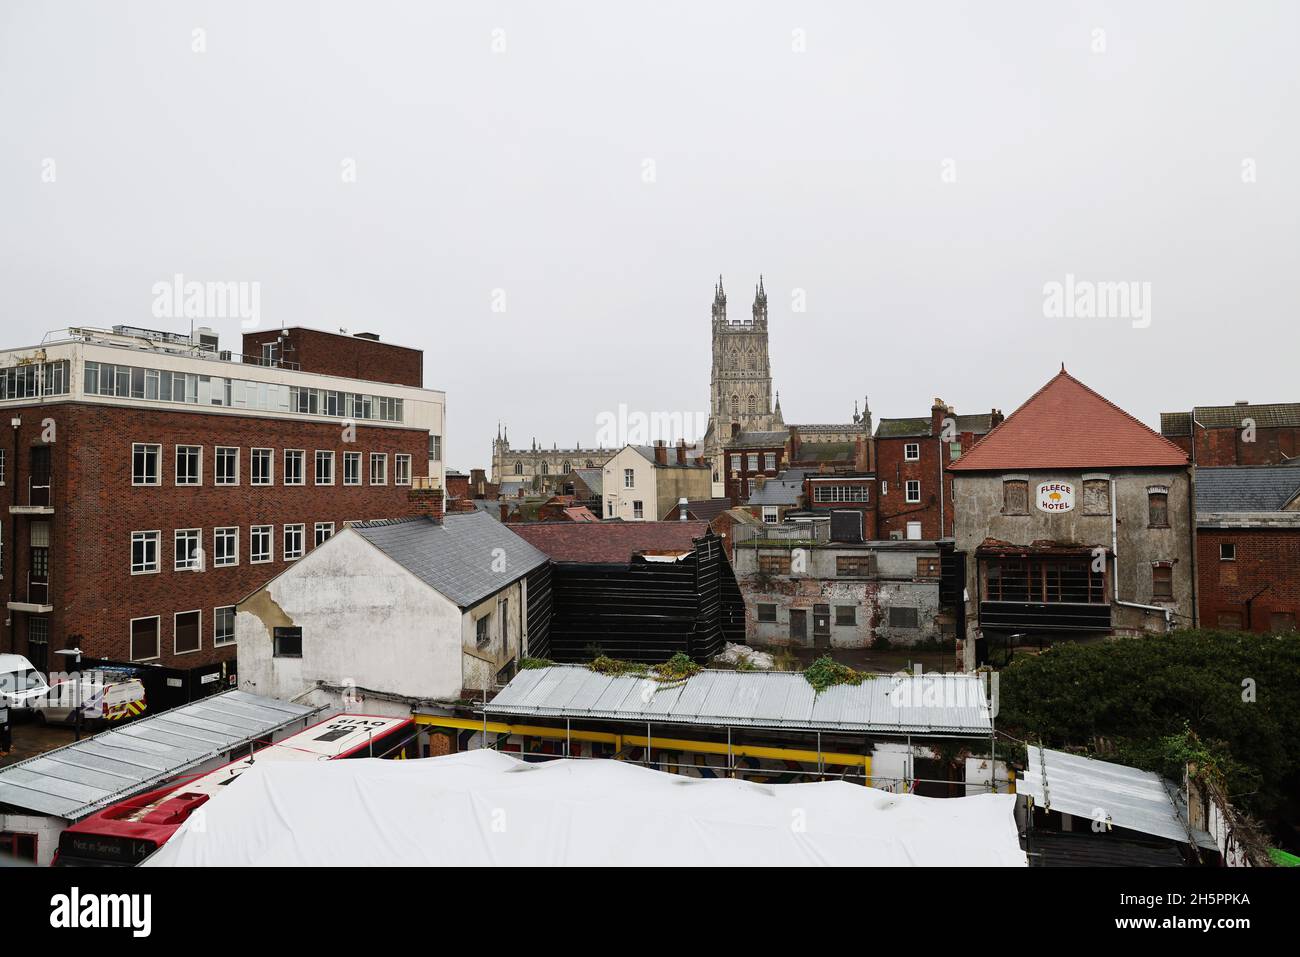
pixel 1055 497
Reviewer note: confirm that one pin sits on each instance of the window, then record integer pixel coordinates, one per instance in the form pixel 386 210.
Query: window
pixel 188 550
pixel 752 462
pixel 839 493
pixel 769 461
pixel 735 464
pixel 144 553
pixel 435 448
pixel 294 472
pixel 638 510
pixel 774 564
pixel 767 612
pixel 954 451
pixel 402 470
pixel 351 468
pixel 483 631
pixel 227 465
pixel 1227 552
pixel 259 543
pixel 1015 497
pixel 144 638
pixel 1096 496
pixel 903 617
pixel 927 568
pixel 519 468
pixel 1162 581
pixel 223 625
pixel 846 614
pixel 2 466
pixel 914 531
pixel 855 566
pixel 263 466
pixel 771 514
pixel 225 547
pixel 610 509
pixel 629 478
pixel 287 642
pixel 293 542
pixel 324 468
pixel 187 632
pixel 378 468
pixel 189 465
pixel 144 464
pixel 1051 580
pixel 913 491
pixel 912 452
pixel 1158 507
pixel 323 532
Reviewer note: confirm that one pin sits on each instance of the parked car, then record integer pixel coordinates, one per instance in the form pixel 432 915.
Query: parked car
pixel 20 682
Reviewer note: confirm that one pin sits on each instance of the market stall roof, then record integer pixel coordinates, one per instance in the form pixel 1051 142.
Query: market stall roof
pixel 480 808
pixel 86 776
pixel 903 704
pixel 1129 798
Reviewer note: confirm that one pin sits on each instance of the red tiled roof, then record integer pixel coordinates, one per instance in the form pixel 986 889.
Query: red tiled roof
pixel 1065 425
pixel 611 543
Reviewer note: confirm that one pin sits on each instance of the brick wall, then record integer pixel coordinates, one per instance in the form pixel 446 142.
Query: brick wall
pixel 1266 568
pixel 96 507
pixel 329 353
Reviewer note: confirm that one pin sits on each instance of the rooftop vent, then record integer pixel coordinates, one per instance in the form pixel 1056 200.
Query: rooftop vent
pixel 366 335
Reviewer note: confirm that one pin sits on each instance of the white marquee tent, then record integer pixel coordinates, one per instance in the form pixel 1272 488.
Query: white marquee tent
pixel 486 808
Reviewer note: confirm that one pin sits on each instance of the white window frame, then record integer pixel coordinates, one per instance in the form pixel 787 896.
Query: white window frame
pixel 908 495
pixel 355 459
pixel 401 469
pixel 769 461
pixel 638 509
pixel 217 534
pixel 291 554
pixel 912 452
pixel 771 515
pixel 629 478
pixel 323 455
pixel 130 637
pixel 176 466
pixel 216 465
pixel 191 564
pixel 216 617
pixel 380 458
pixel 157 448
pixel 198 631
pixel 302 466
pixel 269 456
pixel 269 532
pixel 317 541
pixel 157 548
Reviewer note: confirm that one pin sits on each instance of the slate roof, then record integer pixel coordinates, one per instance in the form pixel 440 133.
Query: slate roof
pixel 784 489
pixel 706 509
pixel 592 478
pixel 455 557
pixel 978 423
pixel 757 440
pixel 1065 425
pixel 609 543
pixel 1246 488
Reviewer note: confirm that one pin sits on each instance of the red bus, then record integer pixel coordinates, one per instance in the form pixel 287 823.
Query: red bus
pixel 129 831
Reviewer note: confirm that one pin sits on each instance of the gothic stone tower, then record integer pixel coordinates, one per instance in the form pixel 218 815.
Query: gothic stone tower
pixel 740 383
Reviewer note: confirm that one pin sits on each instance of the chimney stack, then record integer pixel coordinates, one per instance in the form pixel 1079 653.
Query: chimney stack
pixel 938 412
pixel 681 451
pixel 426 502
pixel 661 452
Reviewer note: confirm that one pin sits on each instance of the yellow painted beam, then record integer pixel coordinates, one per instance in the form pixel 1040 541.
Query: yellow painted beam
pixel 666 744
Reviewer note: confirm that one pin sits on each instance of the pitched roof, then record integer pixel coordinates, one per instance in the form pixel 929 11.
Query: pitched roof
pixel 592 478
pixel 891 428
pixel 1065 425
pixel 1246 488
pixel 455 557
pixel 756 440
pixel 784 489
pixel 692 457
pixel 705 509
pixel 609 543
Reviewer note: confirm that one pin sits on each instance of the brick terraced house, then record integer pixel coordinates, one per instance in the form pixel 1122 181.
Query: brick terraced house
pixel 152 481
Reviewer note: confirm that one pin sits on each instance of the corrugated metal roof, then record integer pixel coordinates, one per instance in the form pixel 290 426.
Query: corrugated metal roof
pixel 933 703
pixel 86 776
pixel 1128 797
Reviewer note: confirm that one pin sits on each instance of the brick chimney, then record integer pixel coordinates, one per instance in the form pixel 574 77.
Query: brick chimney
pixel 426 502
pixel 938 412
pixel 681 451
pixel 995 418
pixel 661 452
pixel 505 511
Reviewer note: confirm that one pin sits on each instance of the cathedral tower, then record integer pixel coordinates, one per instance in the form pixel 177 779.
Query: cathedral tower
pixel 740 383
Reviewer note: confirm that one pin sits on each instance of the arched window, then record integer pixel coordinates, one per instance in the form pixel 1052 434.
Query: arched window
pixel 545 471
pixel 519 468
pixel 564 467
pixel 753 405
pixel 590 464
pixel 735 404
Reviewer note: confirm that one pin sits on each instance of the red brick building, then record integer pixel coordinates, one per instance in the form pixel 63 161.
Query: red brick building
pixel 1248 547
pixel 749 456
pixel 912 455
pixel 360 356
pixel 1238 434
pixel 150 484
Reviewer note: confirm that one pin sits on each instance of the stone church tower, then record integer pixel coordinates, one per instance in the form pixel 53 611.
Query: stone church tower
pixel 740 383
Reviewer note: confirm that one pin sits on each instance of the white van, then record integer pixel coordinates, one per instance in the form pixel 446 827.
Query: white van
pixel 97 699
pixel 20 682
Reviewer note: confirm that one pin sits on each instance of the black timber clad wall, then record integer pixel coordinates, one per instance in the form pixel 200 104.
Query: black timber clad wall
pixel 722 609
pixel 538 586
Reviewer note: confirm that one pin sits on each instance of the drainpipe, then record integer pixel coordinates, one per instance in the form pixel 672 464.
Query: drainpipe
pixel 1114 548
pixel 1191 521
pixel 16 422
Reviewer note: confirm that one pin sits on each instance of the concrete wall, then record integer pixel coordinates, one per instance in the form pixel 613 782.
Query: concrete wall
pixel 364 619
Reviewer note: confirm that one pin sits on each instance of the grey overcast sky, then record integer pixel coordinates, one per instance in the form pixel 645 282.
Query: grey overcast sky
pixel 919 170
